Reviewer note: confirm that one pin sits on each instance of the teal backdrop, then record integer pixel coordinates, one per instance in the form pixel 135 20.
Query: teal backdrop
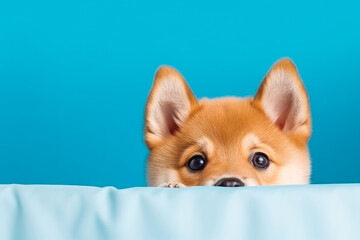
pixel 74 78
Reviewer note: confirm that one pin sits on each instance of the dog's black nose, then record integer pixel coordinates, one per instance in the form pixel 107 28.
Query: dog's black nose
pixel 229 182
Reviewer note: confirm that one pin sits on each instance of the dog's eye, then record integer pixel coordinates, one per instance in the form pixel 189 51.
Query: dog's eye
pixel 259 160
pixel 196 163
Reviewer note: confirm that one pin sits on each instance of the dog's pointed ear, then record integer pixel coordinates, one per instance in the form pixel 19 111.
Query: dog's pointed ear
pixel 169 104
pixel 283 98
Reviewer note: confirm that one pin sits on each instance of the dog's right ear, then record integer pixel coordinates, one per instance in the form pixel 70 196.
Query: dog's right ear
pixel 169 104
pixel 283 98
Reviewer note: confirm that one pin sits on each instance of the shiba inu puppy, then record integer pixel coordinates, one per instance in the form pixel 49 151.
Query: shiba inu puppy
pixel 230 142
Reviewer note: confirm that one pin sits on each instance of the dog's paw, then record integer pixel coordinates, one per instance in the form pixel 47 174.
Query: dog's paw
pixel 173 185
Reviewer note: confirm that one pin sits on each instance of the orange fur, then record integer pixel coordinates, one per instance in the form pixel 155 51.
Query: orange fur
pixel 228 130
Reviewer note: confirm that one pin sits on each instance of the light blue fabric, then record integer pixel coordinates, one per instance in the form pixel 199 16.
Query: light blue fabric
pixel 279 212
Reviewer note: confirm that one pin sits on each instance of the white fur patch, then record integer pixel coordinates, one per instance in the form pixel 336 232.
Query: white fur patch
pixel 295 171
pixel 251 182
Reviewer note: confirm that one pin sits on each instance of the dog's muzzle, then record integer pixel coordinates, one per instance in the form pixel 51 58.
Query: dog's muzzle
pixel 229 182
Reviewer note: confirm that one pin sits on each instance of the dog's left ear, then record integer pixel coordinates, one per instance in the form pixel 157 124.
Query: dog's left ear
pixel 169 105
pixel 283 98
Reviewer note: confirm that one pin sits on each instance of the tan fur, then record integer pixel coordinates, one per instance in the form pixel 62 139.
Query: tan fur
pixel 228 130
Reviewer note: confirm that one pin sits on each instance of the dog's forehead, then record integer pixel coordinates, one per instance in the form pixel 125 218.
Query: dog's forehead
pixel 226 109
pixel 246 142
pixel 228 115
pixel 229 121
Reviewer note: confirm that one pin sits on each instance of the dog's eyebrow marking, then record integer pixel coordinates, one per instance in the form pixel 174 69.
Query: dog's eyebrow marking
pixel 249 142
pixel 206 145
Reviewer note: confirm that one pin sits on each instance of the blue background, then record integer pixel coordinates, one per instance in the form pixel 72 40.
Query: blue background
pixel 74 78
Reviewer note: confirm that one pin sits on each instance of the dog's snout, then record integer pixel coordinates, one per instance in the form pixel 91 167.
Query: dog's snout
pixel 229 182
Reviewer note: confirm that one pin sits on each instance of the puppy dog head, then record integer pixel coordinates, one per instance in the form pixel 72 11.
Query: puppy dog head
pixel 228 141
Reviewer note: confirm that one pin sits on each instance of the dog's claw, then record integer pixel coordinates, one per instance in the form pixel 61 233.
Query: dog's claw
pixel 173 185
